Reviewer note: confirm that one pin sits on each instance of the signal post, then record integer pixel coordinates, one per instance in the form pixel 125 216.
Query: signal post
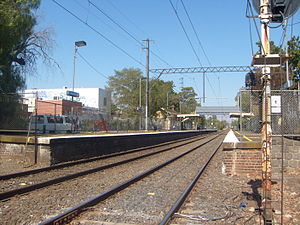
pixel 265 17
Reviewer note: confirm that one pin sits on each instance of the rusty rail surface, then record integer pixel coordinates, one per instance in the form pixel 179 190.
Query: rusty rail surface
pixel 68 215
pixel 188 189
pixel 8 194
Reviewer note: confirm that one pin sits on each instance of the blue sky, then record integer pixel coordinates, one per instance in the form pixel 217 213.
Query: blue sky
pixel 222 27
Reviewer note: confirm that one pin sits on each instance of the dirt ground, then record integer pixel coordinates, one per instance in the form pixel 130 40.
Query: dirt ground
pixel 291 191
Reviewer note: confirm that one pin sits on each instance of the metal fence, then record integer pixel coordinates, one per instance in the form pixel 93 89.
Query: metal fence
pixel 26 112
pixel 285 111
pixel 13 113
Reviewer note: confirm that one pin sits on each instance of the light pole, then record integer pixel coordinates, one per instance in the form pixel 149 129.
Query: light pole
pixel 77 45
pixel 140 102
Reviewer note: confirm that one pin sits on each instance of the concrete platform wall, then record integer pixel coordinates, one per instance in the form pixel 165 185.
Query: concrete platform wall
pixel 55 150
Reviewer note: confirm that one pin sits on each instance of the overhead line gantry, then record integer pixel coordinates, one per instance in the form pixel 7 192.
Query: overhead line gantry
pixel 211 69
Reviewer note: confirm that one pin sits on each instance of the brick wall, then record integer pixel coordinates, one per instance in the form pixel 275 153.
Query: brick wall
pixel 243 158
pixel 58 107
pixel 239 159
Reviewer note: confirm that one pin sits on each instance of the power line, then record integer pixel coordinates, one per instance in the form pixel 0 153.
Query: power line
pixel 199 42
pixel 88 10
pixel 187 36
pixel 126 31
pixel 195 32
pixel 101 74
pixel 126 17
pixel 87 62
pixel 249 6
pixel 251 39
pixel 96 31
pixel 116 23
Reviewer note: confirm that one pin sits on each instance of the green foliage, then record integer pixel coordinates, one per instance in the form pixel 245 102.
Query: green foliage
pixel 13 114
pixel 294 61
pixel 125 86
pixel 188 100
pixel 16 30
pixel 294 50
pixel 273 48
pixel 214 123
pixel 20 46
pixel 162 95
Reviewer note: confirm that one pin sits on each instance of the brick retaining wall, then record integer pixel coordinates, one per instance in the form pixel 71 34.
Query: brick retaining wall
pixel 244 158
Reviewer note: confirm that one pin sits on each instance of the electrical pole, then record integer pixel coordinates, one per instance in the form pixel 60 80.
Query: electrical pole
pixel 265 16
pixel 140 105
pixel 180 100
pixel 203 88
pixel 147 84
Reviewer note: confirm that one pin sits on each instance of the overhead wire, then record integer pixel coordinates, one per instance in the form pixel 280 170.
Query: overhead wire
pixel 199 42
pixel 89 12
pixel 294 23
pixel 113 21
pixel 284 34
pixel 90 65
pixel 292 26
pixel 126 31
pixel 249 6
pixel 126 17
pixel 185 32
pixel 195 32
pixel 97 71
pixel 99 33
pixel 251 39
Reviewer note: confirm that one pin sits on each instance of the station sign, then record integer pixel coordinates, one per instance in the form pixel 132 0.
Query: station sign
pixel 275 104
pixel 72 93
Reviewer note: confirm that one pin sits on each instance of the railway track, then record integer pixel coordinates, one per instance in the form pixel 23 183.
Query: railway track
pixel 77 162
pixel 95 210
pixel 41 178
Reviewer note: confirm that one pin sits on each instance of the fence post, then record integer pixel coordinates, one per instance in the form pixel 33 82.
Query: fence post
pixel 35 130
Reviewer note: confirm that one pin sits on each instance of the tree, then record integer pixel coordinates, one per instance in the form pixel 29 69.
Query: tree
pixel 20 47
pixel 278 73
pixel 162 95
pixel 294 50
pixel 273 48
pixel 125 86
pixel 187 100
pixel 20 44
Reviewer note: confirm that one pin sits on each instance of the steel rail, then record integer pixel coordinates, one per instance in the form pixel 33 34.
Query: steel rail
pixel 68 164
pixel 68 215
pixel 8 194
pixel 186 192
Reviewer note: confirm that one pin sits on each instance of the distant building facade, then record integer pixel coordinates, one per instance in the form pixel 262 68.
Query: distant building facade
pixel 56 101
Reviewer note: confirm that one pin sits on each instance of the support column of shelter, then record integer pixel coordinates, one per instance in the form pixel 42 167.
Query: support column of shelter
pixel 265 16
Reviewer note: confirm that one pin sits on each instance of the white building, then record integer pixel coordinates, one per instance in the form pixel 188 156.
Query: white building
pixel 93 98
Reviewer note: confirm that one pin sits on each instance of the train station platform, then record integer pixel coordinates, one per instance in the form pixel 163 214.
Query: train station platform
pixel 53 149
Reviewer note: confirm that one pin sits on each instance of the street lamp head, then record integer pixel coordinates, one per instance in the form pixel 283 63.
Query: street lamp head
pixel 80 43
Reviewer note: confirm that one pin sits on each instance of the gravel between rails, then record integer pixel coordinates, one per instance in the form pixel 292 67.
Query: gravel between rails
pixel 15 183
pixel 42 204
pixel 216 196
pixel 147 201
